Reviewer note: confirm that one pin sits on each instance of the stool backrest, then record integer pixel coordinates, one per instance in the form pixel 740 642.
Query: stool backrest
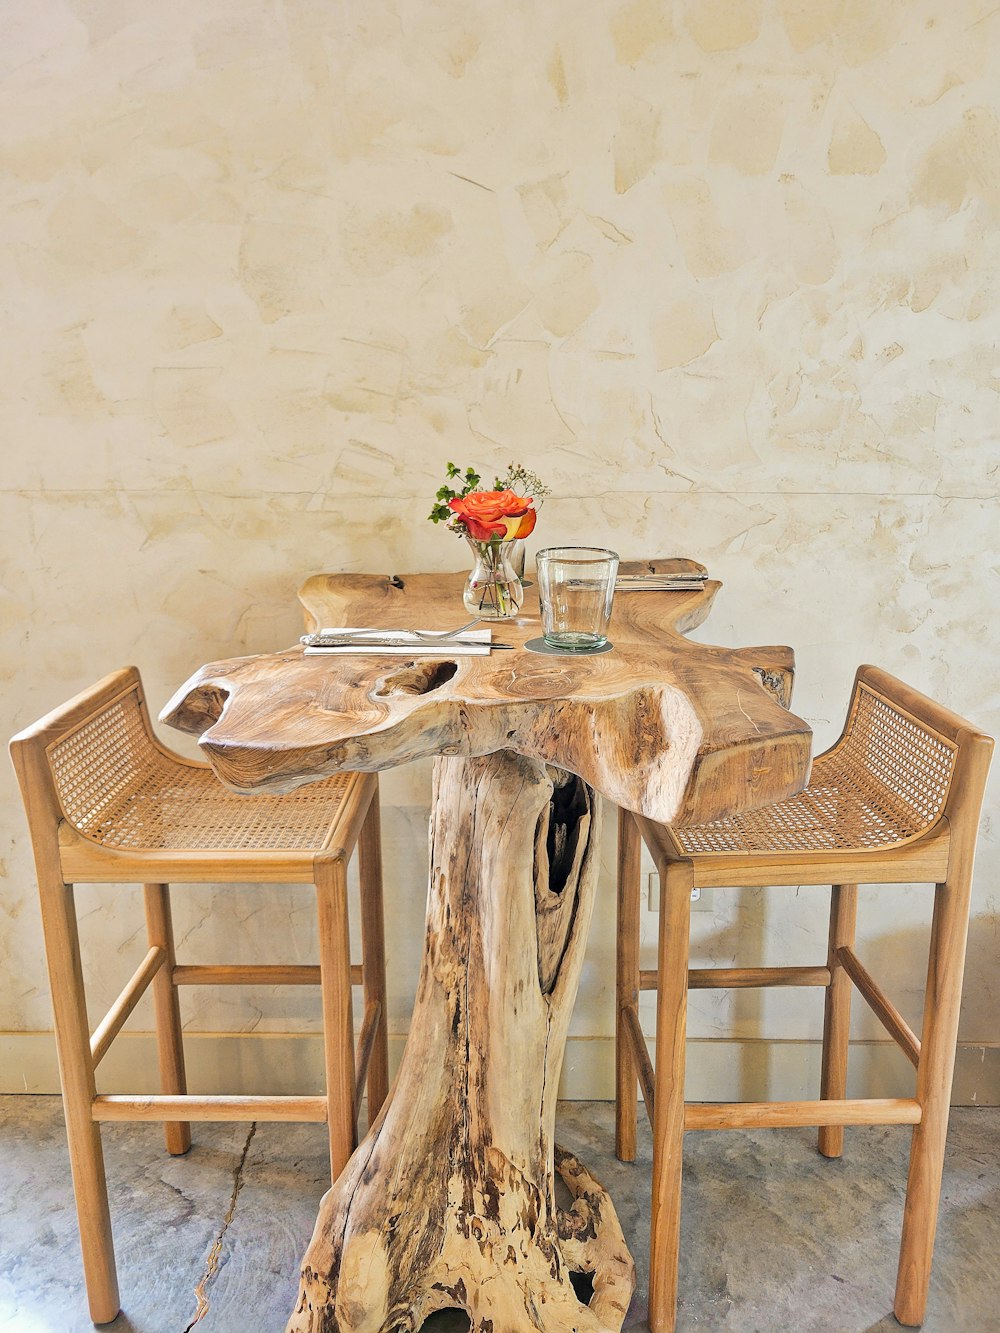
pixel 86 759
pixel 927 761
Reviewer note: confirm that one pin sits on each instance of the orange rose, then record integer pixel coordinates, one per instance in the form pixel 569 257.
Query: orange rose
pixel 520 527
pixel 486 514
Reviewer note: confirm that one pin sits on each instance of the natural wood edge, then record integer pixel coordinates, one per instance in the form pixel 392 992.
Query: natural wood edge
pixel 774 667
pixel 726 775
pixel 713 728
pixel 592 1241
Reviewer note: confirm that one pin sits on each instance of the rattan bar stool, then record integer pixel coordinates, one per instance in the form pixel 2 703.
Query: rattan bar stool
pixel 896 800
pixel 107 803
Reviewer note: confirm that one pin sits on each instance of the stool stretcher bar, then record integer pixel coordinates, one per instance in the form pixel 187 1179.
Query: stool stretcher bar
pixel 122 1107
pixel 254 974
pixel 633 1033
pixel 768 1115
pixel 726 978
pixel 880 1004
pixel 366 1044
pixel 787 1115
pixel 114 1020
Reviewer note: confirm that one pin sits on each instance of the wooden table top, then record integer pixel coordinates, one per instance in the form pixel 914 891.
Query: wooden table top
pixel 668 728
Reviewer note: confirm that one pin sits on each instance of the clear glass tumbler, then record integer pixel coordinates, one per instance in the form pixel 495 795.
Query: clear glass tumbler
pixel 576 586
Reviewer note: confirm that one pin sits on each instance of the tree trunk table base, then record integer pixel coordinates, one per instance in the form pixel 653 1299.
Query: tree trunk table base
pixel 449 1203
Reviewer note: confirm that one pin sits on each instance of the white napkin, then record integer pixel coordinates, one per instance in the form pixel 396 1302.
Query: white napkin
pixel 471 643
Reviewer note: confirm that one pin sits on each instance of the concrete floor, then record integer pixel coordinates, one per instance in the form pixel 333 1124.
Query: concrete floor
pixel 775 1237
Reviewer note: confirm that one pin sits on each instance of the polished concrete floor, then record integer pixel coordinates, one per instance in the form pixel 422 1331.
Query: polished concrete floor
pixel 774 1237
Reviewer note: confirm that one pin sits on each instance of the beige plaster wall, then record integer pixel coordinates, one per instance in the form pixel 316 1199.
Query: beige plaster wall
pixel 724 272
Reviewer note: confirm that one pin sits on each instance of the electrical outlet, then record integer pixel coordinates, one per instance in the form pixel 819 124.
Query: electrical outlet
pixel 698 903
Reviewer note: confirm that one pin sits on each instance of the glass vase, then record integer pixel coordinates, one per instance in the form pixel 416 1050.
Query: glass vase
pixel 493 591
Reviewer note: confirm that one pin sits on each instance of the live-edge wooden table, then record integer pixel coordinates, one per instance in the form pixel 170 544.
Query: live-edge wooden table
pixel 449 1201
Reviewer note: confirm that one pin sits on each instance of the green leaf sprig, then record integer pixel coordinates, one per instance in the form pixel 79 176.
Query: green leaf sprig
pixel 469 480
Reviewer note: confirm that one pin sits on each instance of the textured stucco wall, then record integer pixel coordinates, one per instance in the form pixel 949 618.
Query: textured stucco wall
pixel 724 272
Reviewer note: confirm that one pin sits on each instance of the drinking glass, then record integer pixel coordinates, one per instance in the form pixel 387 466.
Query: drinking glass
pixel 576 585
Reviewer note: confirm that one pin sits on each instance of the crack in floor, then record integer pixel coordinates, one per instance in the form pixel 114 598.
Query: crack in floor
pixel 214 1254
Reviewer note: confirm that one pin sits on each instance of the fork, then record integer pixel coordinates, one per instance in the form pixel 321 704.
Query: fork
pixel 438 635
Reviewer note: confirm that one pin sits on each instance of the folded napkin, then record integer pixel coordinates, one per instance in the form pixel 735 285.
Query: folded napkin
pixel 471 643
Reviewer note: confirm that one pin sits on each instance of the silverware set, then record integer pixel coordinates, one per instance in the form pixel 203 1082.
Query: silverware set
pixel 398 638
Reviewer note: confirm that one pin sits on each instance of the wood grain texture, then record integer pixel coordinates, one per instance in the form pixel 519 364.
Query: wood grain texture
pixel 450 1200
pixel 667 728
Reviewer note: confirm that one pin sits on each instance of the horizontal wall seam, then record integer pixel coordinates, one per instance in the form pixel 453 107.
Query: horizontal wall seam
pixel 291 1064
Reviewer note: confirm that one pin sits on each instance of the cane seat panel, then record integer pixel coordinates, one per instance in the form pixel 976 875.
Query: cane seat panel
pixel 118 788
pixel 885 782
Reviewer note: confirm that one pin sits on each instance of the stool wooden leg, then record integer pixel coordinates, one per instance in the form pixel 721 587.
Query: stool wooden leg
pixel 167 1010
pixel 627 984
pixel 837 1016
pixel 939 1037
pixel 373 950
pixel 668 1120
pixel 338 1022
pixel 76 1071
